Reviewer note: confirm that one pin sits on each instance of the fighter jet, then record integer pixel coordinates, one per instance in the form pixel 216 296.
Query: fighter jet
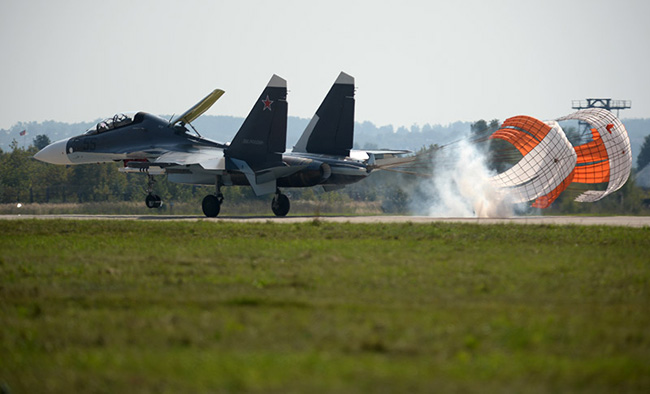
pixel 255 157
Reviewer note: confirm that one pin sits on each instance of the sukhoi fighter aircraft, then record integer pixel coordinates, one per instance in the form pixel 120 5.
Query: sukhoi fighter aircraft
pixel 256 156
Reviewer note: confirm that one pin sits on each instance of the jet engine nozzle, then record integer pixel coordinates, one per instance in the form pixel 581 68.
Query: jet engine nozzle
pixel 313 174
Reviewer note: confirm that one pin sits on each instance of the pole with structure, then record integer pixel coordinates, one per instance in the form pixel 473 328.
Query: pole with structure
pixel 604 103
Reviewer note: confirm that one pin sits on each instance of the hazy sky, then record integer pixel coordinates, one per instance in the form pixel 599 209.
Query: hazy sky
pixel 414 61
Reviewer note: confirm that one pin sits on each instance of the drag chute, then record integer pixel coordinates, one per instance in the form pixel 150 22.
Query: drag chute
pixel 546 200
pixel 547 165
pixel 605 159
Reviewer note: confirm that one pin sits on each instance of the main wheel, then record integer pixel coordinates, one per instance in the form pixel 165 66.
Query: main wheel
pixel 280 205
pixel 153 201
pixel 211 206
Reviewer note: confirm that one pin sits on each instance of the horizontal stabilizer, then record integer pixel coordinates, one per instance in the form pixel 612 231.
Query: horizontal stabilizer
pixel 259 188
pixel 387 161
pixel 385 158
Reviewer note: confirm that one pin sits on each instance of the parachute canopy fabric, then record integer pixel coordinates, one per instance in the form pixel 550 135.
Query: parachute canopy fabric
pixel 546 200
pixel 608 158
pixel 548 159
pixel 593 162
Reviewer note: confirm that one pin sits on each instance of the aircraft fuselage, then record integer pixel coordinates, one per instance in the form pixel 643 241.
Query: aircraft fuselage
pixel 143 138
pixel 255 157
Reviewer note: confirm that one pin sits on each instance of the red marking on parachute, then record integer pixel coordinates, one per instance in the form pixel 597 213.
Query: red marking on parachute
pixel 267 103
pixel 609 128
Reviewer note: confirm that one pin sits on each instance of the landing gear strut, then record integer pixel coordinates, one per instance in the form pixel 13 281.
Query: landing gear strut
pixel 212 203
pixel 152 200
pixel 280 204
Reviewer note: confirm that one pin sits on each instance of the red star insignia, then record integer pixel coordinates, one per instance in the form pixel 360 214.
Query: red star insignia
pixel 267 103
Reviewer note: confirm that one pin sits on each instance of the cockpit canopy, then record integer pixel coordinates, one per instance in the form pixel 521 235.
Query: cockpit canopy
pixel 116 121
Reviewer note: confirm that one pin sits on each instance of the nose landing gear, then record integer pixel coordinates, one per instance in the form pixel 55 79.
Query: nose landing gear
pixel 152 200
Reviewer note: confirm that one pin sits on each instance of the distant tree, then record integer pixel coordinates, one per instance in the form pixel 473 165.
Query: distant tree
pixel 15 169
pixel 644 156
pixel 402 130
pixel 479 126
pixel 41 141
pixel 494 124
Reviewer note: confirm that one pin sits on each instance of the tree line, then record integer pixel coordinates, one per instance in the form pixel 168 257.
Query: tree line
pixel 25 180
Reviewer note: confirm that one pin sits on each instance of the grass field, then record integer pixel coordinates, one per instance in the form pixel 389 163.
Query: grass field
pixel 116 306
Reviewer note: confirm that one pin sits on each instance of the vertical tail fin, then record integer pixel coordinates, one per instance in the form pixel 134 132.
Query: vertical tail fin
pixel 262 138
pixel 331 130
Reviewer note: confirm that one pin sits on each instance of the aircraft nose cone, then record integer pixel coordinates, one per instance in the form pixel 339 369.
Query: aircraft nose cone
pixel 54 153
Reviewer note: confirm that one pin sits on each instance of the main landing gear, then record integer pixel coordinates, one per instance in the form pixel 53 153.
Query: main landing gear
pixel 280 204
pixel 152 200
pixel 212 205
pixel 212 202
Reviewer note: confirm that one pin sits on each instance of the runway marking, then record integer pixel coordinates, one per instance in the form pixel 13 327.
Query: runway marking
pixel 626 221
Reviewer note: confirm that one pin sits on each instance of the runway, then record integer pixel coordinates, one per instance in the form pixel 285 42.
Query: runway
pixel 626 221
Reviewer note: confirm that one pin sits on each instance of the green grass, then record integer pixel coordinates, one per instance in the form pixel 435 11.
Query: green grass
pixel 127 306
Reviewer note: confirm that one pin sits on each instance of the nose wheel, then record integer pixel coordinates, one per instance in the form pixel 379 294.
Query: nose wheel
pixel 280 204
pixel 152 200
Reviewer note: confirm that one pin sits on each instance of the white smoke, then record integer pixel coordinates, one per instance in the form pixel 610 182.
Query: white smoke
pixel 460 186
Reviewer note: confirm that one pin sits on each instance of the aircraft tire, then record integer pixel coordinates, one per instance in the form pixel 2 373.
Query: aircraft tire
pixel 211 206
pixel 153 201
pixel 280 205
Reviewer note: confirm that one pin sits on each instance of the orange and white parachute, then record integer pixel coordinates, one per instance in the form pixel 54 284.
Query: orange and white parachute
pixel 548 159
pixel 550 163
pixel 607 158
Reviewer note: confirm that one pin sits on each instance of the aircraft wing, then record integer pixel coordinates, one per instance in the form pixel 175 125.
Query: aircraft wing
pixel 199 108
pixel 208 158
pixel 385 158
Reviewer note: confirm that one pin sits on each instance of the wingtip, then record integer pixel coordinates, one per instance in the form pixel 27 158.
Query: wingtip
pixel 345 79
pixel 277 82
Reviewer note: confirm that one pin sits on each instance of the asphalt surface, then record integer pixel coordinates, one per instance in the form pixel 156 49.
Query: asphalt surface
pixel 627 221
